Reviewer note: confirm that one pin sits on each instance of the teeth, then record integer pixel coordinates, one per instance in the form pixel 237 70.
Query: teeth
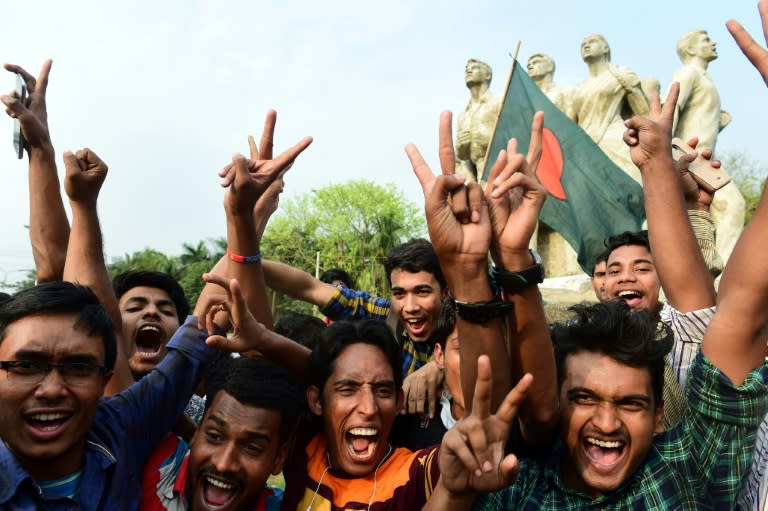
pixel 628 293
pixel 149 327
pixel 601 443
pixel 48 416
pixel 363 431
pixel 219 484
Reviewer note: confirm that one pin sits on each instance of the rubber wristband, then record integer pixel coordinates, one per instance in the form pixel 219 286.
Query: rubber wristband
pixel 245 259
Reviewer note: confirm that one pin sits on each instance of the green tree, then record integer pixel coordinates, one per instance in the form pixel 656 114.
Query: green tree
pixel 748 174
pixel 352 225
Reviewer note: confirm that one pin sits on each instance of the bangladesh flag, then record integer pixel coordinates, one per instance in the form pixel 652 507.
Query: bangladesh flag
pixel 590 198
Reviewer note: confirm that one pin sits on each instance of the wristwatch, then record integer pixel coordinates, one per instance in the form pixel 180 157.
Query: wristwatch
pixel 515 281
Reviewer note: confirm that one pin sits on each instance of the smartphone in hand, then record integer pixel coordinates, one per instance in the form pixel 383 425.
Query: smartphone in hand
pixel 708 177
pixel 18 138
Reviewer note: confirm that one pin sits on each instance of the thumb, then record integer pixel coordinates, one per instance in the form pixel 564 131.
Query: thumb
pixel 685 160
pixel 13 106
pixel 508 469
pixel 637 122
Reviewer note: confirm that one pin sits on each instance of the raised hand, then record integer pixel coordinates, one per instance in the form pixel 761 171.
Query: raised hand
pixel 85 173
pixel 33 116
pixel 472 453
pixel 649 137
pixel 422 386
pixel 247 331
pixel 754 51
pixel 457 213
pixel 515 198
pixel 263 168
pixel 696 197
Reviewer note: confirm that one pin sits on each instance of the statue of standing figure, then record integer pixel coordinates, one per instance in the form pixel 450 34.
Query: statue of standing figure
pixel 699 114
pixel 474 126
pixel 601 103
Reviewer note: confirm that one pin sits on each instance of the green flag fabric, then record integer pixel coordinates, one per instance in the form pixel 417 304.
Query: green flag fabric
pixel 590 198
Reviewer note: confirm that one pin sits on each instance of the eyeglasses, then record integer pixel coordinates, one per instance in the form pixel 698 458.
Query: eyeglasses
pixel 32 372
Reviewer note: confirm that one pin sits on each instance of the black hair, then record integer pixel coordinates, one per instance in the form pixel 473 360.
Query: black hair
pixel 624 239
pixel 63 298
pixel 414 256
pixel 127 280
pixel 341 334
pixel 302 328
pixel 259 383
pixel 633 338
pixel 329 276
pixel 446 323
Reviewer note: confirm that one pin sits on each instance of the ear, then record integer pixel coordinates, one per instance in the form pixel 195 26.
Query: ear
pixel 444 293
pixel 659 419
pixel 314 401
pixel 439 356
pixel 282 454
pixel 400 398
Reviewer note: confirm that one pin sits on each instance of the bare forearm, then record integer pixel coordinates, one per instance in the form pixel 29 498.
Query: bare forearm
pixel 673 243
pixel 296 283
pixel 243 240
pixel 85 265
pixel 48 224
pixel 469 283
pixel 531 351
pixel 443 500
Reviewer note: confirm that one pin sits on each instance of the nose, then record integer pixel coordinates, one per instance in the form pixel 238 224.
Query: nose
pixel 151 310
pixel 226 459
pixel 367 405
pixel 411 303
pixel 52 386
pixel 605 418
pixel 627 275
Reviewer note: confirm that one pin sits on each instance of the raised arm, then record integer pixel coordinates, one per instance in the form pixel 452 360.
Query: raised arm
pixel 297 284
pixel 460 231
pixel 85 173
pixel 516 197
pixel 250 191
pixel 673 243
pixel 48 225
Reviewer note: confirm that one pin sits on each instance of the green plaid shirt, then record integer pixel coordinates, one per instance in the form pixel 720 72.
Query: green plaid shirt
pixel 699 464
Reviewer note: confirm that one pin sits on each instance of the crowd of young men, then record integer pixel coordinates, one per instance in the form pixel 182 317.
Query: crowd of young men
pixel 633 403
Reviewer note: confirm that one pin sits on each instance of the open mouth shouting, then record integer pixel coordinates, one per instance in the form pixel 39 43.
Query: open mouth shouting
pixel 604 454
pixel 632 297
pixel 216 493
pixel 149 341
pixel 47 426
pixel 416 327
pixel 362 442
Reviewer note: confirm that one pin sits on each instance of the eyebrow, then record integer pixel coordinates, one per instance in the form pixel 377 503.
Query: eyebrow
pixel 623 399
pixel 143 299
pixel 634 261
pixel 68 357
pixel 355 383
pixel 219 421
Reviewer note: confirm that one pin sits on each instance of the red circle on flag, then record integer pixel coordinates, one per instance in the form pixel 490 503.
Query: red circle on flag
pixel 550 169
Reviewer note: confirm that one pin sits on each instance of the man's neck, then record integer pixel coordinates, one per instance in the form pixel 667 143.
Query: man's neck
pixel 49 469
pixel 476 90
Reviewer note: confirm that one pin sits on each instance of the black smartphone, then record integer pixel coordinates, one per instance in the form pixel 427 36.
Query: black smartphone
pixel 18 138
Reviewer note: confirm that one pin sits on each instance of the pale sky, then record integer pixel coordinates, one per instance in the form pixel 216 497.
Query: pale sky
pixel 165 92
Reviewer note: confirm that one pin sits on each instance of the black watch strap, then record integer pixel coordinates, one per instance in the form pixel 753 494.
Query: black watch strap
pixel 515 281
pixel 482 312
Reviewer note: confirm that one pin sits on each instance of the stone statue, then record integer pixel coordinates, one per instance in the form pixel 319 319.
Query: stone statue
pixel 602 102
pixel 699 114
pixel 558 256
pixel 541 69
pixel 474 126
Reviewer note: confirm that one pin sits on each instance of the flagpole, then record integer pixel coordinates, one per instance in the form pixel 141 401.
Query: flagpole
pixel 498 112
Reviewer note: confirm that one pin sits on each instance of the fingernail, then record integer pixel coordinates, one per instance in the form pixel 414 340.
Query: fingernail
pixel 487 466
pixel 478 472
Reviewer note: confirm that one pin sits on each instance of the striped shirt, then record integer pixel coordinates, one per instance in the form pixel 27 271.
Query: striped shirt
pixel 699 464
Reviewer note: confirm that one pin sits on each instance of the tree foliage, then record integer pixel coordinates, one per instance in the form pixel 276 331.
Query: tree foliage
pixel 748 174
pixel 350 225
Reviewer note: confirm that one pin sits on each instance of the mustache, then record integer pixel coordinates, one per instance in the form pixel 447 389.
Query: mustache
pixel 229 478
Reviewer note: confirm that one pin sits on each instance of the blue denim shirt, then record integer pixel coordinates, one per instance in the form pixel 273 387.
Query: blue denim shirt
pixel 126 429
